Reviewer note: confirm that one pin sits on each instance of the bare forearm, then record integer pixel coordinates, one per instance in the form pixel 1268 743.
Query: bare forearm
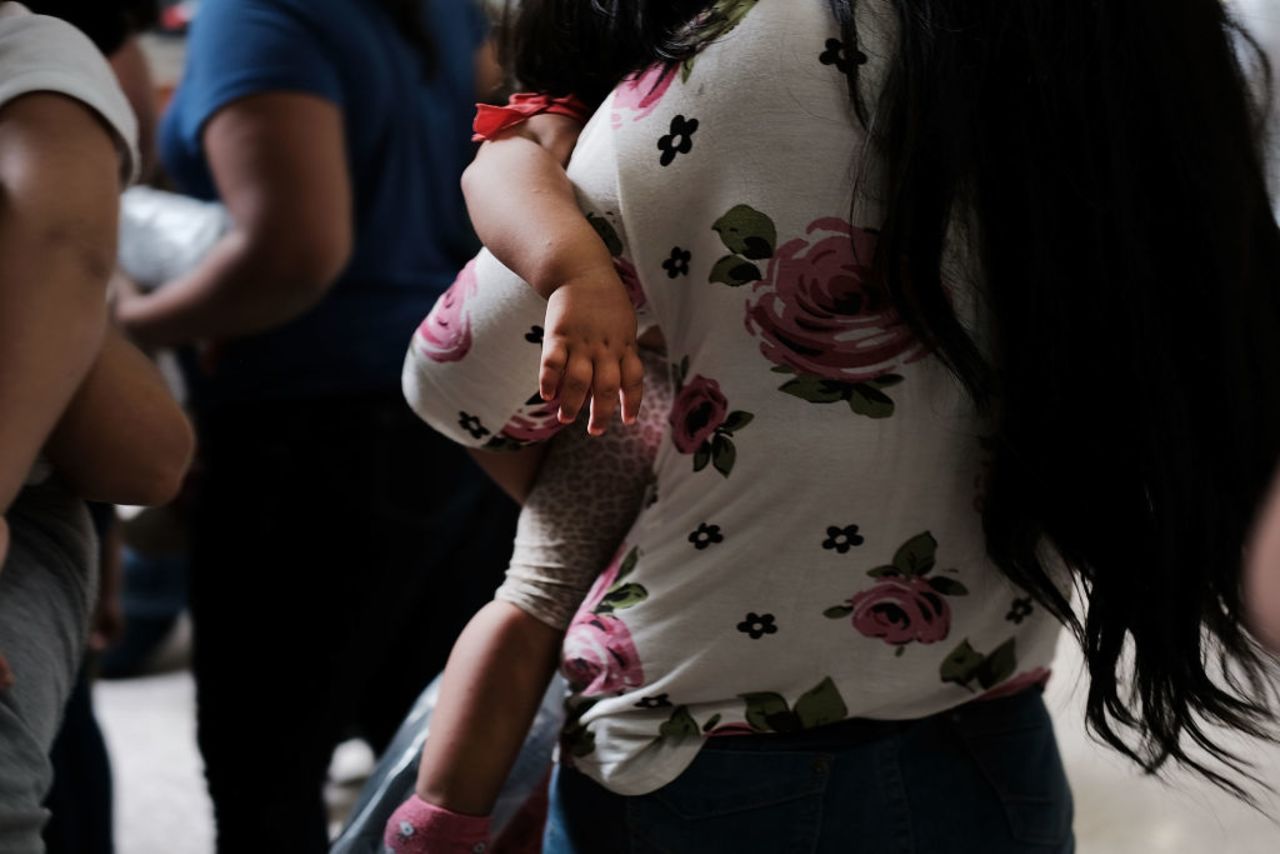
pixel 237 290
pixel 123 438
pixel 525 211
pixel 279 162
pixel 492 687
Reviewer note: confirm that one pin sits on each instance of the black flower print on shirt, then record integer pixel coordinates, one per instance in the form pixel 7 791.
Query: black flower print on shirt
pixel 472 425
pixel 1019 610
pixel 837 53
pixel 659 702
pixel 758 625
pixel 535 335
pixel 705 536
pixel 678 141
pixel 678 264
pixel 842 539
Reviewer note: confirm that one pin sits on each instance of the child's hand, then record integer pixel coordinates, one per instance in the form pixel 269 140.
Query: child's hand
pixel 589 348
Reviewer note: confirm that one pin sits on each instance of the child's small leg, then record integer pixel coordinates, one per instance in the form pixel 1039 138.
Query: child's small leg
pixel 515 472
pixel 491 691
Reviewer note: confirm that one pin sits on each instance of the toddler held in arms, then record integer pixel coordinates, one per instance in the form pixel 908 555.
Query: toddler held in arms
pixel 524 209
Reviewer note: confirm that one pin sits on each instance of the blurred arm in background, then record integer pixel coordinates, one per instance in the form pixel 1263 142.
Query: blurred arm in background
pixel 279 161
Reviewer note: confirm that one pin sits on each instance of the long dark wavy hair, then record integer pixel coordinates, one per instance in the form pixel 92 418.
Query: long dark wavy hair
pixel 1105 162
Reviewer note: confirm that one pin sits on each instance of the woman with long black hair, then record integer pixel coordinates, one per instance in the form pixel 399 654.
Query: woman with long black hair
pixel 961 314
pixel 337 547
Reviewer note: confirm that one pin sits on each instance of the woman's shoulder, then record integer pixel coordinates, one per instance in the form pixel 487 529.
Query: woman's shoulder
pixel 43 54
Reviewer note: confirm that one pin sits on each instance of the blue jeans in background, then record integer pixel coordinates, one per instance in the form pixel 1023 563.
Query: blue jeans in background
pixel 985 778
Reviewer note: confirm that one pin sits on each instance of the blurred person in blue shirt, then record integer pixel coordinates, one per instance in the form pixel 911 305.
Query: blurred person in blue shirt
pixel 330 529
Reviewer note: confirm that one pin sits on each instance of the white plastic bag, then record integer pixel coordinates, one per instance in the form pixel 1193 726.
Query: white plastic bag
pixel 394 778
pixel 165 235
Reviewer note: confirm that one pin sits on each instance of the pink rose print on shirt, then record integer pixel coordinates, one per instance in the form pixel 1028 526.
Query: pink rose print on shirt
pixel 640 94
pixel 902 611
pixel 599 656
pixel 631 281
pixel 533 423
pixel 820 311
pixel 908 604
pixel 445 334
pixel 701 422
pixel 817 310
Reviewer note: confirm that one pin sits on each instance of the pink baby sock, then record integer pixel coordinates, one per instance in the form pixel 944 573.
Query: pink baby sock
pixel 418 827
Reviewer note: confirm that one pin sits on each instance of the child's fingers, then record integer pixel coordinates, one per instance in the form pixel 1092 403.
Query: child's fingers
pixel 574 387
pixel 604 396
pixel 632 375
pixel 555 357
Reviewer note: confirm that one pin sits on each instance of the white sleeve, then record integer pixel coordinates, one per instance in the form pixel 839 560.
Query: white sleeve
pixel 43 54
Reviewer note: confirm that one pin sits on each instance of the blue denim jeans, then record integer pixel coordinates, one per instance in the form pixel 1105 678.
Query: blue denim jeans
pixel 985 778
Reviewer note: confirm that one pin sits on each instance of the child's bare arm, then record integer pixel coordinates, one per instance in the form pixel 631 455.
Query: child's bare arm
pixel 123 438
pixel 492 688
pixel 524 209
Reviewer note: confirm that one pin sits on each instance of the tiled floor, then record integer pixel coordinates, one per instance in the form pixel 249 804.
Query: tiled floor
pixel 162 808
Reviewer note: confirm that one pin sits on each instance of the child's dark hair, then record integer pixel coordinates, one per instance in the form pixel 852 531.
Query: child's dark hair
pixel 586 47
pixel 1130 274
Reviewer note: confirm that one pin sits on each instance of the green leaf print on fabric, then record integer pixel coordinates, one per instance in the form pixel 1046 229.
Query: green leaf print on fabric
pixel 621 598
pixel 607 233
pixel 764 709
pixel 822 705
pixel 575 737
pixel 839 612
pixel 871 402
pixel 999 666
pixel 917 555
pixel 747 232
pixel 679 726
pixel 629 562
pixel 962 664
pixel 816 390
pixel 768 711
pixel 948 586
pixel 680 374
pixel 735 421
pixel 735 272
pixel 711 723
pixel 966 665
pixel 702 422
pixel 732 12
pixel 620 595
pixel 863 398
pixel 724 454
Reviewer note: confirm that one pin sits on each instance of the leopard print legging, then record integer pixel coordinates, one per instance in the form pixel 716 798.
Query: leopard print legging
pixel 587 495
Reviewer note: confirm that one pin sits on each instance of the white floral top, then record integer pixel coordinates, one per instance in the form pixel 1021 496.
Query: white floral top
pixel 813 550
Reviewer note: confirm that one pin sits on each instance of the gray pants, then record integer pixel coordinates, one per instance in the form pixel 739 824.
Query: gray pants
pixel 47 588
